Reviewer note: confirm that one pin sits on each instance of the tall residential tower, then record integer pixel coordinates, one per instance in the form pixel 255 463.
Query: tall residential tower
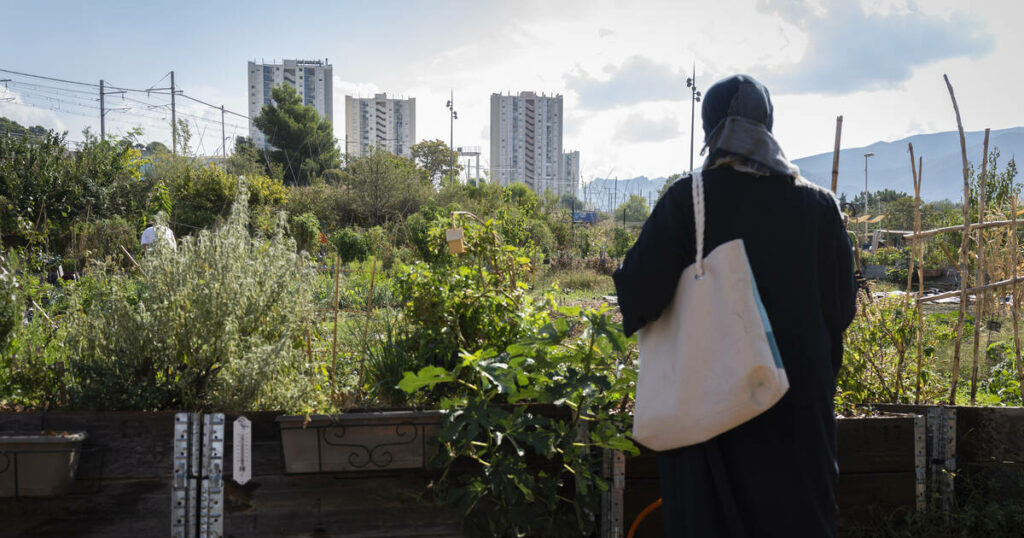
pixel 389 124
pixel 311 78
pixel 526 141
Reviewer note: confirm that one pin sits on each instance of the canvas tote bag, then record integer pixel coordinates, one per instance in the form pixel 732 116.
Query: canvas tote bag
pixel 710 362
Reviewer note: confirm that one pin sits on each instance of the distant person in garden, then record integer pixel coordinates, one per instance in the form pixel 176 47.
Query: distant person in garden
pixel 155 233
pixel 775 475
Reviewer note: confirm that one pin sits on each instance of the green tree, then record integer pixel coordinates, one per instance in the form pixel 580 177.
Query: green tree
pixel 11 127
pixel 635 209
pixel 44 188
pixel 248 160
pixel 668 183
pixel 998 183
pixel 304 142
pixel 385 186
pixel 436 159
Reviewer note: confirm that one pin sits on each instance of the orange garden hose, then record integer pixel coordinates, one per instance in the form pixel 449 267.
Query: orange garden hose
pixel 646 511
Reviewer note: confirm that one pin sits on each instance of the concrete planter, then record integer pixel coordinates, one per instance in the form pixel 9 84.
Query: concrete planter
pixel 384 440
pixel 38 464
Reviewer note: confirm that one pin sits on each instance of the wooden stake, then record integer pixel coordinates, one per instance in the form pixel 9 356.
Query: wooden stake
pixel 919 252
pixel 835 154
pixel 137 266
pixel 979 277
pixel 958 228
pixel 334 340
pixel 1016 254
pixel 964 245
pixel 976 289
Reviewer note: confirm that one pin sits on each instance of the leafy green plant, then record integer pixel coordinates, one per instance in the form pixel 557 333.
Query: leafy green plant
pixel 621 241
pixel 350 244
pixel 479 301
pixel 514 467
pixel 217 324
pixel 305 229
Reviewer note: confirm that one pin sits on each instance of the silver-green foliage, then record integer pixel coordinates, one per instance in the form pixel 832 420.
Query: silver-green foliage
pixel 216 325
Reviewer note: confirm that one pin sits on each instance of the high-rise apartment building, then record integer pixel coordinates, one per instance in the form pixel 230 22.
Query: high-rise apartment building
pixel 311 78
pixel 379 122
pixel 526 140
pixel 570 174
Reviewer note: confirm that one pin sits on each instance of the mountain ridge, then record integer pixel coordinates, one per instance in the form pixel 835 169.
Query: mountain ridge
pixel 942 177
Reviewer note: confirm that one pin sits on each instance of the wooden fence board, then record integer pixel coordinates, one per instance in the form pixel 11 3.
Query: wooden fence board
pixel 876 445
pixel 336 505
pixel 128 444
pixel 120 509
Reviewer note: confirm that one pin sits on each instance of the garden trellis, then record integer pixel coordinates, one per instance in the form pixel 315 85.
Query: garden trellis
pixel 980 287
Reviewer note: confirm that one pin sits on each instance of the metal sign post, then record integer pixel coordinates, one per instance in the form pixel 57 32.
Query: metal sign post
pixel 197 487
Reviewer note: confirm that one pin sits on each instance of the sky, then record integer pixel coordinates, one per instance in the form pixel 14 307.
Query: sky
pixel 621 66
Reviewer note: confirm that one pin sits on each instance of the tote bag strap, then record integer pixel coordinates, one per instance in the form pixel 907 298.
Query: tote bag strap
pixel 698 221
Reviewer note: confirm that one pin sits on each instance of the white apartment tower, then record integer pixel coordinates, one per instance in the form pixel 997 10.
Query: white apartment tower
pixel 526 140
pixel 379 122
pixel 311 78
pixel 570 173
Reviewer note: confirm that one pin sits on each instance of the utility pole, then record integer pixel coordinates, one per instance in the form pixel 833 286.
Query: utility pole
pixel 103 130
pixel 691 83
pixel 866 155
pixel 615 197
pixel 451 140
pixel 174 121
pixel 223 138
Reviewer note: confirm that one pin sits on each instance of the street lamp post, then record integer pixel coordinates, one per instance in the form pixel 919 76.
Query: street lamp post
pixel 866 155
pixel 451 140
pixel 691 82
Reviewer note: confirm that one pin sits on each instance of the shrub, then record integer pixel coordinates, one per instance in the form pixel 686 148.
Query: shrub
pixel 479 301
pixel 216 325
pixel 44 187
pixel 11 306
pixel 350 244
pixel 524 472
pixel 306 231
pixel 622 240
pixel 582 280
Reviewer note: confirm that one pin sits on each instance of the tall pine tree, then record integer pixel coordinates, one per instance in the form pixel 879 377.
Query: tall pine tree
pixel 304 143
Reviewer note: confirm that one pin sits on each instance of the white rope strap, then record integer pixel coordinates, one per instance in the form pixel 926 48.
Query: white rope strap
pixel 698 220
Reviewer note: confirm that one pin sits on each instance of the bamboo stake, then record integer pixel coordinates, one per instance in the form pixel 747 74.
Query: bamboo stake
pixel 964 245
pixel 135 263
pixel 334 340
pixel 835 154
pixel 1016 325
pixel 959 228
pixel 979 277
pixel 976 289
pixel 901 362
pixel 919 248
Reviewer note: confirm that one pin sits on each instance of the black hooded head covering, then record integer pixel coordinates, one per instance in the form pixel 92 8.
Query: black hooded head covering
pixel 738 115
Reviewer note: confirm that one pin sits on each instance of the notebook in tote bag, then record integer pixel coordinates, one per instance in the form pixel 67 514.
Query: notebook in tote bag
pixel 710 362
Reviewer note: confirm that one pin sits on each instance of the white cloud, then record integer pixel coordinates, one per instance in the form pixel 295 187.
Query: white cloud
pixel 637 128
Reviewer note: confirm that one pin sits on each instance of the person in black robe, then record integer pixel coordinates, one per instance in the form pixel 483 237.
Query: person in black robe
pixel 775 475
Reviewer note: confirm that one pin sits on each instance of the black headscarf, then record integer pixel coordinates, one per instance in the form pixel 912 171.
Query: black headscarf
pixel 738 117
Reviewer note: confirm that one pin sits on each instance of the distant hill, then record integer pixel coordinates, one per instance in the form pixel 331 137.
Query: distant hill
pixel 890 167
pixel 602 193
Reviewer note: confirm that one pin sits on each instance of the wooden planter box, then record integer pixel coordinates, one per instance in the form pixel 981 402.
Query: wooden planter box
pixel 881 462
pixel 38 464
pixel 358 441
